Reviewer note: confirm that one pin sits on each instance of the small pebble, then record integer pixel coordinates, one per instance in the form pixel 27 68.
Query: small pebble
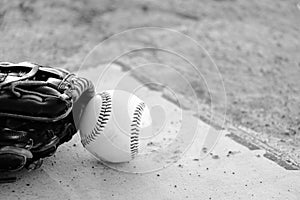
pixel 232 153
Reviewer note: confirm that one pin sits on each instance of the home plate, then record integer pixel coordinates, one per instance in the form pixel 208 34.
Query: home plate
pixel 173 164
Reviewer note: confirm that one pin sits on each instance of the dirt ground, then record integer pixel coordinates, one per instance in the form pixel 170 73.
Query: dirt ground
pixel 255 45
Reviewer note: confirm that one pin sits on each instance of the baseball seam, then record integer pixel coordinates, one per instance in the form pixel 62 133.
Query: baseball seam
pixel 102 119
pixel 135 129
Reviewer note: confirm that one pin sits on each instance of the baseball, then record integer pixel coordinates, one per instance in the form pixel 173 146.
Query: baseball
pixel 115 126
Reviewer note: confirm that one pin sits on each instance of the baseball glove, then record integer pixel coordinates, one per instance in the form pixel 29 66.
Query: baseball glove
pixel 39 110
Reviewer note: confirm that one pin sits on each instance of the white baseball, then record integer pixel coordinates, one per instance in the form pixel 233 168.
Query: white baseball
pixel 113 126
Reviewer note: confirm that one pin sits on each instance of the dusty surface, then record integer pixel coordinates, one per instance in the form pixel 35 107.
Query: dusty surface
pixel 230 171
pixel 255 44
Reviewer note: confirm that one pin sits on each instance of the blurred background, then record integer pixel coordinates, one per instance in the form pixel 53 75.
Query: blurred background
pixel 255 45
